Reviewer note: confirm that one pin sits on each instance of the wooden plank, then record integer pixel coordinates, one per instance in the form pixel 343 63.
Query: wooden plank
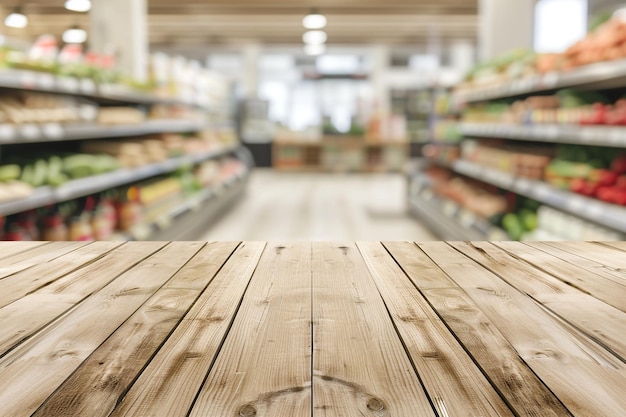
pixel 524 392
pixel 616 275
pixel 455 384
pixel 35 256
pixel 111 369
pixel 585 377
pixel 613 258
pixel 22 318
pixel 360 366
pixel 38 276
pixel 8 249
pixel 596 285
pixel 170 382
pixel 264 366
pixel 35 369
pixel 598 320
pixel 616 245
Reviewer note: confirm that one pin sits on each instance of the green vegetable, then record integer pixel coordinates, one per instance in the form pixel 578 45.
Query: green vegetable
pixel 9 172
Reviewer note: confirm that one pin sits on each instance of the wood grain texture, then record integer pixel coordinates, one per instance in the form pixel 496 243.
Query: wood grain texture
pixel 110 370
pixel 40 254
pixel 30 280
pixel 264 366
pixel 598 320
pixel 596 285
pixel 22 318
pixel 8 249
pixel 452 380
pixel 44 361
pixel 596 268
pixel 169 384
pixel 605 255
pixel 526 394
pixel 617 245
pixel 360 366
pixel 583 375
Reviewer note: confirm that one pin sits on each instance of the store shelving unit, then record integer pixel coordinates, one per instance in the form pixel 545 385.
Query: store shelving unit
pixel 446 218
pixel 83 87
pixel 548 133
pixel 339 153
pixel 43 196
pixel 606 75
pixel 603 75
pixel 176 224
pixel 55 132
pixel 591 209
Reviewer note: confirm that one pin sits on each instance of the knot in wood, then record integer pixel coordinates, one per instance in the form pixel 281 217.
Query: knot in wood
pixel 375 404
pixel 247 410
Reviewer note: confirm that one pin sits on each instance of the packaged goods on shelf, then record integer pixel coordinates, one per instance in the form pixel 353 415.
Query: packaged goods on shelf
pixel 120 116
pixel 557 225
pixel 127 212
pixel 515 159
pixel 20 108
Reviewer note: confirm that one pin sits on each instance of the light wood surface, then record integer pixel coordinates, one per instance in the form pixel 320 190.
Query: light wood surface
pixel 312 329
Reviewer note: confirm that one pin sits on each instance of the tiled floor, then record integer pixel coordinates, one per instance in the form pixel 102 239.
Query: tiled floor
pixel 308 206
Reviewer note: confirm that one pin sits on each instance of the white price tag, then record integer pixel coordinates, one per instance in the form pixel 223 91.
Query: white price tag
pixel 449 208
pixel 7 133
pixel 542 191
pixel 588 135
pixel 164 222
pixel 68 84
pixel 427 194
pixel 594 210
pixel 523 185
pixel 141 232
pixel 87 86
pixel 550 80
pixel 467 218
pixel 28 79
pixel 52 130
pixel 575 204
pixel 30 131
pixel 617 136
pixel 45 81
pixel 551 132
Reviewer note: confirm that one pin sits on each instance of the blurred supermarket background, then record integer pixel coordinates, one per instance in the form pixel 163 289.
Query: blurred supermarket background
pixel 323 120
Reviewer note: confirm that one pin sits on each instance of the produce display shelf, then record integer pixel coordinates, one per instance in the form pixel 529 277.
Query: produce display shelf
pixel 601 75
pixel 55 132
pixel 613 136
pixel 85 186
pixel 207 196
pixel 609 215
pixel 84 87
pixel 446 218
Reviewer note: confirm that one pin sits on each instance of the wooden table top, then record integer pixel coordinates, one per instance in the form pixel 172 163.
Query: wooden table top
pixel 197 329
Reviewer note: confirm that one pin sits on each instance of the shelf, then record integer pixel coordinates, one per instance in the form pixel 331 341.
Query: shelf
pixel 90 185
pixel 609 215
pixel 192 223
pixel 55 132
pixel 613 136
pixel 84 87
pixel 602 75
pixel 447 219
pixel 204 204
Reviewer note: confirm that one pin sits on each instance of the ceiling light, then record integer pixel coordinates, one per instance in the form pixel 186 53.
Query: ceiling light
pixel 17 19
pixel 314 21
pixel 314 37
pixel 74 35
pixel 314 49
pixel 78 5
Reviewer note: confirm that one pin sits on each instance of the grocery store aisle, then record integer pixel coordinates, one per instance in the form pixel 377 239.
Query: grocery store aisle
pixel 309 206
